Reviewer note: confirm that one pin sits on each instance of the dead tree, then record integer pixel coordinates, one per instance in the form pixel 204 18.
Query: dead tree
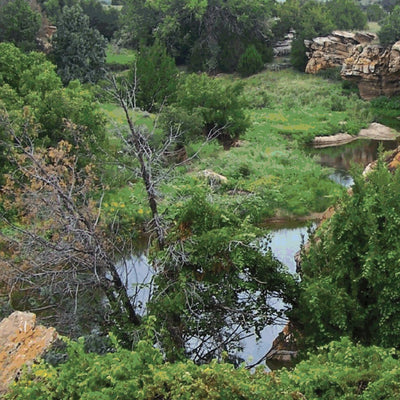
pixel 52 224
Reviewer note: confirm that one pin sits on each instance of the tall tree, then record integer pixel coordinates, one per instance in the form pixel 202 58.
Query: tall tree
pixel 78 50
pixel 390 28
pixel 19 24
pixel 210 35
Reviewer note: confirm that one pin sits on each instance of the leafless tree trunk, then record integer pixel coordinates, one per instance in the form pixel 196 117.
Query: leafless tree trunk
pixel 62 244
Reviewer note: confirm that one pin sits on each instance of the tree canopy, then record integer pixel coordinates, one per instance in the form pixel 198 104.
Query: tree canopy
pixel 207 35
pixel 19 24
pixel 78 49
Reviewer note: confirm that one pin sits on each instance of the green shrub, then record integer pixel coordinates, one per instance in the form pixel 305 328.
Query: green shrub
pixel 217 102
pixel 156 77
pixel 250 62
pixel 338 371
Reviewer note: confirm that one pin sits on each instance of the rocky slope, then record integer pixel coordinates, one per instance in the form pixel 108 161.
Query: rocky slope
pixel 375 69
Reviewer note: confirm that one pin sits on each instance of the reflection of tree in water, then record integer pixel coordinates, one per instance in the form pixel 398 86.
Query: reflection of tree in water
pixel 359 152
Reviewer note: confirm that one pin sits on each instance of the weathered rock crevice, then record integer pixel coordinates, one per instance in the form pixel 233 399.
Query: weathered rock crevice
pixel 375 69
pixel 21 343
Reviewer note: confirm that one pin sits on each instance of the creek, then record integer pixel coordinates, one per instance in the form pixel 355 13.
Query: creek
pixel 285 237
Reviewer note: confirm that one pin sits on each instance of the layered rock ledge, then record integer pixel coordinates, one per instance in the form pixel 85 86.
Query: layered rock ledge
pixel 21 342
pixel 375 69
pixel 331 51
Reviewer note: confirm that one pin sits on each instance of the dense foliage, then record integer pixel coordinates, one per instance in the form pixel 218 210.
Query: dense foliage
pixel 200 308
pixel 19 24
pixel 30 86
pixel 154 78
pixel 350 274
pixel 390 28
pixel 78 49
pixel 339 371
pixel 210 106
pixel 206 35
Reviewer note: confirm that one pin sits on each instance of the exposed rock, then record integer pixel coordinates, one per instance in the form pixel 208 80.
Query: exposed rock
pixel 283 350
pixel 332 140
pixel 284 47
pixel 375 69
pixel 213 177
pixel 21 342
pixel 374 131
pixel 378 132
pixel 331 51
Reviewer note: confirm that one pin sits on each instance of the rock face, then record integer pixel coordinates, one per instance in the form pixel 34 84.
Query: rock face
pixel 283 350
pixel 284 47
pixel 375 69
pixel 331 51
pixel 21 342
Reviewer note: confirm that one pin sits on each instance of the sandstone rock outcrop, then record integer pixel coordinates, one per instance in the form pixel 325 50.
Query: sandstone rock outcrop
pixel 375 131
pixel 375 69
pixel 331 51
pixel 21 342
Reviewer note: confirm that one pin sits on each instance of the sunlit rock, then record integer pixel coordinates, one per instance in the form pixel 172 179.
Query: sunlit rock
pixel 21 342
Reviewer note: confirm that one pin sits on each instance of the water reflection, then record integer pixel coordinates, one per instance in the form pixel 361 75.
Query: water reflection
pixel 361 152
pixel 342 158
pixel 285 243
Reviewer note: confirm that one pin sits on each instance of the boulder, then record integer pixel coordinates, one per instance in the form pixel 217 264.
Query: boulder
pixel 213 177
pixel 21 343
pixel 284 349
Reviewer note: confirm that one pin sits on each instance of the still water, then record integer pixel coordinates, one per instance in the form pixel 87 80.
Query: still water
pixel 286 239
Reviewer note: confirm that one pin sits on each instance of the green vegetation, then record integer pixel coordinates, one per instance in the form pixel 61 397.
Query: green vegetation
pixel 340 371
pixel 87 166
pixel 250 62
pixel 120 58
pixel 79 50
pixel 390 27
pixel 19 24
pixel 350 274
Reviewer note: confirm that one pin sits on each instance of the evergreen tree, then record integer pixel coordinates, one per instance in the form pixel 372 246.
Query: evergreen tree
pixel 79 51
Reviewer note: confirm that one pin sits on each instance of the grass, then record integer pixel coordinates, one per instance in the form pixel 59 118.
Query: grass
pixel 122 57
pixel 270 173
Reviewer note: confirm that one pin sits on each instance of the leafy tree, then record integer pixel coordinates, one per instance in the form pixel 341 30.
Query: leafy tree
pixel 390 28
pixel 216 106
pixel 314 20
pixel 154 76
pixel 30 85
pixel 19 24
pixel 375 12
pixel 210 35
pixel 105 20
pixel 350 282
pixel 347 14
pixel 288 14
pixel 215 283
pixel 78 50
pixel 250 62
